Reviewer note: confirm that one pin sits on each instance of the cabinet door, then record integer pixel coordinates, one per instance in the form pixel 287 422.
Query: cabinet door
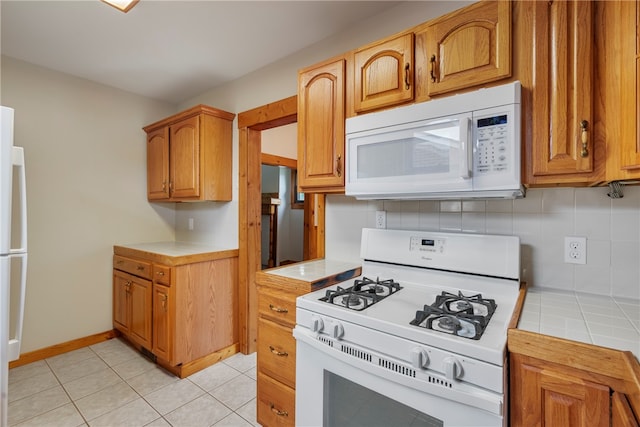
pixel 629 20
pixel 321 99
pixel 621 412
pixel 465 48
pixel 158 164
pixel 121 285
pixel 162 332
pixel 185 158
pixel 140 300
pixel 543 396
pixel 562 118
pixel 384 74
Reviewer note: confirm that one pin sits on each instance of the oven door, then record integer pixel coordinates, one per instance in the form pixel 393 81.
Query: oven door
pixel 334 391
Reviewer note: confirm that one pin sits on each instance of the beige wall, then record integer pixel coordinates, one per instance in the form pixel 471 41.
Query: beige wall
pixel 85 156
pixel 86 183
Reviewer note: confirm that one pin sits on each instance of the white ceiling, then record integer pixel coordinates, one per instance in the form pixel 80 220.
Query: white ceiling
pixel 169 50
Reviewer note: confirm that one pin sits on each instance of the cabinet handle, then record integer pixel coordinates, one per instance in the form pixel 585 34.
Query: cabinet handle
pixel 160 273
pixel 164 186
pixel 407 81
pixel 278 412
pixel 140 267
pixel 584 136
pixel 278 353
pixel 339 165
pixel 120 262
pixel 164 301
pixel 433 68
pixel 277 309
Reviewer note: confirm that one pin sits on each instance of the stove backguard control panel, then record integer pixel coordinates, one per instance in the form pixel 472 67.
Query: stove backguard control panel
pixel 427 245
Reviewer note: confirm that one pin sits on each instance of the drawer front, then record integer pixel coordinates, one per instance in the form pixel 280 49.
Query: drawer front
pixel 277 306
pixel 162 274
pixel 277 352
pixel 276 403
pixel 132 266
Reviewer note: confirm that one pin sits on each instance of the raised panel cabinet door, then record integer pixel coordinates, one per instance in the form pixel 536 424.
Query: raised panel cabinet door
pixel 384 74
pixel 158 164
pixel 321 116
pixel 630 84
pixel 542 396
pixel 562 119
pixel 185 158
pixel 162 315
pixel 140 300
pixel 467 48
pixel 121 309
pixel 621 412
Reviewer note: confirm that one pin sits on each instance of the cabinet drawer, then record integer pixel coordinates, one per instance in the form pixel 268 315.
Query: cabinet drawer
pixel 132 266
pixel 276 403
pixel 277 306
pixel 162 274
pixel 277 352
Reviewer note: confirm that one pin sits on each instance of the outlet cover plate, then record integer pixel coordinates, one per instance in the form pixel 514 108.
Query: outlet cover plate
pixel 575 250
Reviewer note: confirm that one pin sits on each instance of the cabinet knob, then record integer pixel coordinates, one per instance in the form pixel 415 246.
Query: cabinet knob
pixel 584 136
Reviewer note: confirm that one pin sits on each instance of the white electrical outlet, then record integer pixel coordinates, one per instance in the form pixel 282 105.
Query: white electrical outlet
pixel 575 250
pixel 190 223
pixel 381 219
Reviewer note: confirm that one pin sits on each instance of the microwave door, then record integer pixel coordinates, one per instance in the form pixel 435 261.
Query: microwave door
pixel 428 156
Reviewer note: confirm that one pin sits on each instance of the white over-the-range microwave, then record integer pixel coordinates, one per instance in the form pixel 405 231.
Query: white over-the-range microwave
pixel 458 147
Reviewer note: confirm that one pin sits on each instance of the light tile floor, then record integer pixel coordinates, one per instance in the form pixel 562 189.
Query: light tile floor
pixel 111 384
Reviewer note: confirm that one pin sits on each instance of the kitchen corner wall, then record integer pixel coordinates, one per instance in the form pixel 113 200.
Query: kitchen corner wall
pixel 542 220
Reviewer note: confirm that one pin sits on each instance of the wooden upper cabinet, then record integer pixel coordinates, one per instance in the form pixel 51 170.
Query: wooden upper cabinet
pixel 562 93
pixel 189 156
pixel 321 117
pixel 383 73
pixel 464 48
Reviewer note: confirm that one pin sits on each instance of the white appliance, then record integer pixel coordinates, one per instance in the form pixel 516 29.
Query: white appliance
pixel 418 339
pixel 461 146
pixel 13 252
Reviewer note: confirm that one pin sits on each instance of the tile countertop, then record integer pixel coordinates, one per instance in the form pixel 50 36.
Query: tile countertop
pixel 174 249
pixel 594 319
pixel 312 271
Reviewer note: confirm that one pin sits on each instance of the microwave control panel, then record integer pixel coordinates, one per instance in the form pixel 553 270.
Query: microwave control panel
pixel 492 144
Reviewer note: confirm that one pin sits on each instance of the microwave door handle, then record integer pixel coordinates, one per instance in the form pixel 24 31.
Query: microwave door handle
pixel 465 146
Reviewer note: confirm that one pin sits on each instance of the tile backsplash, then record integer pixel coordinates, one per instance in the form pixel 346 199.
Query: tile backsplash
pixel 542 220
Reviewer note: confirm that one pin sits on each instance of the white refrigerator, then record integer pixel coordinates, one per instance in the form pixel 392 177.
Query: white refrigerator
pixel 13 252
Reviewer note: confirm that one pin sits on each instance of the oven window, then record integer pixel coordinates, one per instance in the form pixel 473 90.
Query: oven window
pixel 350 404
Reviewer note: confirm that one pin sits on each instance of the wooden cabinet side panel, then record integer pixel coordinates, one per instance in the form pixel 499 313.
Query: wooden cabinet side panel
pixel 205 308
pixel 158 164
pixel 321 114
pixel 185 158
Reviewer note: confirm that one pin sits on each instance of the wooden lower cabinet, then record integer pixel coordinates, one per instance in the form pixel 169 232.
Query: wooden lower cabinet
pixel 557 382
pixel 276 345
pixel 179 310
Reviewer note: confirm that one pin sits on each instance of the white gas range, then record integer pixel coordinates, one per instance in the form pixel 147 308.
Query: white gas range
pixel 418 339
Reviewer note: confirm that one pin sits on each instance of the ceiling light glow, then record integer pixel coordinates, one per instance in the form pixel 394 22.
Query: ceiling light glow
pixel 123 5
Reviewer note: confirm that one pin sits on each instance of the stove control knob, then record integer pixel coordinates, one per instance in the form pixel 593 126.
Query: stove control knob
pixel 337 331
pixel 317 325
pixel 452 368
pixel 419 358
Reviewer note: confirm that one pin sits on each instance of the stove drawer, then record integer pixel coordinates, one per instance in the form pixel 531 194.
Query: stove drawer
pixel 277 352
pixel 278 306
pixel 276 403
